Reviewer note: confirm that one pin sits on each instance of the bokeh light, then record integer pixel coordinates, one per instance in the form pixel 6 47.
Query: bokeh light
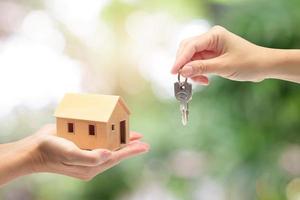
pixel 241 141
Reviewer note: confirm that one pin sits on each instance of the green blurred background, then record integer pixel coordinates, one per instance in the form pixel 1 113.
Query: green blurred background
pixel 242 140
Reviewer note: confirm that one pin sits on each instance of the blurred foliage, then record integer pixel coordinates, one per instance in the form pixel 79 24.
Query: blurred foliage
pixel 241 127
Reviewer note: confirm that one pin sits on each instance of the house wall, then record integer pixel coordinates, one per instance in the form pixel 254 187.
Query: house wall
pixel 81 135
pixel 118 115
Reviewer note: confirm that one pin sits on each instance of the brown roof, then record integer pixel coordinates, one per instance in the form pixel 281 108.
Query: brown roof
pixel 92 107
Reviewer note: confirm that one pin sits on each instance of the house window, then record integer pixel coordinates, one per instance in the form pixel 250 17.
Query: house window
pixel 92 130
pixel 70 127
pixel 112 127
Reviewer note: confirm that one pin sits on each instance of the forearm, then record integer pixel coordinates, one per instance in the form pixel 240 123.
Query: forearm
pixel 15 160
pixel 281 64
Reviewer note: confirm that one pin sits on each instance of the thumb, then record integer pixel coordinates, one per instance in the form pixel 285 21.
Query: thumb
pixel 200 67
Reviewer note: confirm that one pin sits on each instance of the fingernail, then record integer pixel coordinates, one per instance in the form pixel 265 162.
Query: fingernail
pixel 143 147
pixel 186 71
pixel 146 147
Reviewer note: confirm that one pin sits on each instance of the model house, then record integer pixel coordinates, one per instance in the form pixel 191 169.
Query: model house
pixel 93 121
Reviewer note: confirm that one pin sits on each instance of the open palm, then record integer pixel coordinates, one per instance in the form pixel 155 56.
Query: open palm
pixel 58 155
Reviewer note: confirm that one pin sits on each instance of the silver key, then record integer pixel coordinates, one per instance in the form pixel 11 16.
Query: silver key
pixel 183 93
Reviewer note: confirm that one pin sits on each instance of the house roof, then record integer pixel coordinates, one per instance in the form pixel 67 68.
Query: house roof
pixel 91 107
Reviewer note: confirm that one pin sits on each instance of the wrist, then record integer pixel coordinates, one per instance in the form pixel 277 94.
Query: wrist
pixel 264 62
pixel 19 159
pixel 32 157
pixel 26 153
pixel 22 153
pixel 281 64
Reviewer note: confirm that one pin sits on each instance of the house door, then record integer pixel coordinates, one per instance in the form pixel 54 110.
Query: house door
pixel 123 132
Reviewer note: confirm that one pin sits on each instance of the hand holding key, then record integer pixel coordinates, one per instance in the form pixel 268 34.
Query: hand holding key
pixel 183 93
pixel 225 54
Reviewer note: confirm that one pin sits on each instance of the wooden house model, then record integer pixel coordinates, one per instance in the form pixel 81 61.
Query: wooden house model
pixel 93 121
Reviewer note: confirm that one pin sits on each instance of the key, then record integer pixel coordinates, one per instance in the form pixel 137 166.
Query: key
pixel 183 93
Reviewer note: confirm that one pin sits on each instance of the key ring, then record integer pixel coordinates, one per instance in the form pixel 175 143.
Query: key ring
pixel 181 83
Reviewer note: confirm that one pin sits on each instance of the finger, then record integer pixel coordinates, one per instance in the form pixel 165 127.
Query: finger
pixel 88 158
pixel 198 44
pixel 94 157
pixel 132 149
pixel 86 173
pixel 99 156
pixel 203 80
pixel 183 44
pixel 200 67
pixel 71 170
pixel 135 136
pixel 204 55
